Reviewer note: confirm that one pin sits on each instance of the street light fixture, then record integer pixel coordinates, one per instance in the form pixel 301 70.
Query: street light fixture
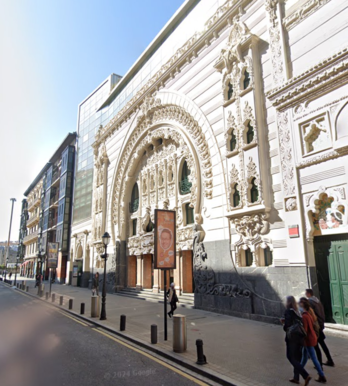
pixel 106 240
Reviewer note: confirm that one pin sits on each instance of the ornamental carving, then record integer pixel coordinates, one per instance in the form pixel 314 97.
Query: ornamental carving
pixel 157 113
pixel 275 41
pixel 252 174
pixel 286 155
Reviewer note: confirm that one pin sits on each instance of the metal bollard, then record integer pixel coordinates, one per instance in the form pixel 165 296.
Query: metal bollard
pixel 27 288
pixel 123 323
pixel 82 309
pixel 201 359
pixel 47 294
pixel 179 333
pixel 53 298
pixel 60 300
pixel 70 304
pixel 153 333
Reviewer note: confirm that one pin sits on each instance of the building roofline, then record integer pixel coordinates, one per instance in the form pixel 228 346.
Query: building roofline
pixel 152 47
pixel 67 140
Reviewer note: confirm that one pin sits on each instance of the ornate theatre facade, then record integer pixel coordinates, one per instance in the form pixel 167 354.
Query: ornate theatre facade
pixel 242 132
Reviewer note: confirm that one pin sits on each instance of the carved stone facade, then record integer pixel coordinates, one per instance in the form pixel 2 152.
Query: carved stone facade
pixel 256 118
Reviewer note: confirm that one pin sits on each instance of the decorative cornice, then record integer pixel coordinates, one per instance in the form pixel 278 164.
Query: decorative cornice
pixel 302 13
pixel 312 83
pixel 182 56
pixel 332 154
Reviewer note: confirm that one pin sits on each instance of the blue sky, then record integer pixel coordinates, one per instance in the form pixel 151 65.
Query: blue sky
pixel 53 54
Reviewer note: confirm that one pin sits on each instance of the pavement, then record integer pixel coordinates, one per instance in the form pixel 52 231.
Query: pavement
pixel 42 346
pixel 239 351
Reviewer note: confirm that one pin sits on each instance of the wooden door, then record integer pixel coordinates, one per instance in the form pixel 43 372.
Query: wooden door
pixel 187 271
pixel 147 271
pixel 132 271
pixel 338 271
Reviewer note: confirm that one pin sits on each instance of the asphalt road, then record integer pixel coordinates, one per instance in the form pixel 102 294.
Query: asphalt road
pixel 40 346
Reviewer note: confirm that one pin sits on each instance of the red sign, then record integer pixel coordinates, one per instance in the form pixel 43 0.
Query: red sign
pixel 165 239
pixel 294 231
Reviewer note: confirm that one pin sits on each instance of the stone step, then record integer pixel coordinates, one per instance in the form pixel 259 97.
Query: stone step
pixel 185 300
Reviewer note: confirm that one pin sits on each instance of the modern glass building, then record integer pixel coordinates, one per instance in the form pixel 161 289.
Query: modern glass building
pixel 89 120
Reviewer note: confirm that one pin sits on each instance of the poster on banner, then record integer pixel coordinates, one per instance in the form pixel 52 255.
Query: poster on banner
pixel 52 256
pixel 165 239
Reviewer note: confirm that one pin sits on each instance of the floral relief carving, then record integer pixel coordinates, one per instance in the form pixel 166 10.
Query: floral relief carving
pixel 275 41
pixel 252 174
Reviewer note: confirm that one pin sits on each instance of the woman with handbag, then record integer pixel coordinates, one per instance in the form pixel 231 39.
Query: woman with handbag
pixel 294 339
pixel 173 299
pixel 311 326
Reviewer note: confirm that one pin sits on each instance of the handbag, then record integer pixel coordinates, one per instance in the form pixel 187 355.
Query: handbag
pixel 296 331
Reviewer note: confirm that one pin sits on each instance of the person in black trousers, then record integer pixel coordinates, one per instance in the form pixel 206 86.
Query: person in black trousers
pixel 320 314
pixel 173 299
pixel 294 345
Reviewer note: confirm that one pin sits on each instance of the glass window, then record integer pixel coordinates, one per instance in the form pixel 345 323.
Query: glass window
pixel 233 141
pixel 134 227
pixel 236 196
pixel 250 133
pixel 268 255
pixel 230 91
pixel 185 184
pixel 134 204
pixel 248 258
pixel 246 81
pixel 190 217
pixel 254 192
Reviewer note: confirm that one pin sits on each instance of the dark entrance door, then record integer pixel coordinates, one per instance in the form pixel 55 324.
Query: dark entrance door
pixel 79 273
pixel 187 271
pixel 331 255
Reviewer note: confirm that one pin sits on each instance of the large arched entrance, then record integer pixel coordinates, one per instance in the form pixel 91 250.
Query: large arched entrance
pixel 165 164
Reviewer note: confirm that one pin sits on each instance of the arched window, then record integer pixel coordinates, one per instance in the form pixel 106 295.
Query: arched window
pixel 268 256
pixel 236 196
pixel 150 226
pixel 246 80
pixel 185 184
pixel 230 91
pixel 190 218
pixel 134 227
pixel 254 191
pixel 134 204
pixel 233 141
pixel 249 133
pixel 248 258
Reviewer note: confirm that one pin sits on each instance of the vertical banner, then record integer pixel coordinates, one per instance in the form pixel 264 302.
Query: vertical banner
pixel 165 239
pixel 52 255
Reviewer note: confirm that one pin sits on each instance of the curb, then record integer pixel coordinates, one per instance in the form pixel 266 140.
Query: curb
pixel 209 374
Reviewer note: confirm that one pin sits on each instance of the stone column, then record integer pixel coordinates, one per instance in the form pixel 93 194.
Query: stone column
pixel 156 280
pixel 139 272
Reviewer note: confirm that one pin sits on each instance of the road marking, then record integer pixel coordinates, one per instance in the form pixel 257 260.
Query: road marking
pixel 74 319
pixel 195 380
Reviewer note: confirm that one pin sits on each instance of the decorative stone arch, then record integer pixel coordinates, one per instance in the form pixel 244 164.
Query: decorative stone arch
pixel 79 252
pixel 312 206
pixel 341 128
pixel 169 117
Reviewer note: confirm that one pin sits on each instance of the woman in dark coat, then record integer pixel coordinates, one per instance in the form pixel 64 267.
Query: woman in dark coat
pixel 173 299
pixel 295 343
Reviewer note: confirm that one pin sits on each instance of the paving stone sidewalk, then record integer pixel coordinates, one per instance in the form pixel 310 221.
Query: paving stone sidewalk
pixel 248 352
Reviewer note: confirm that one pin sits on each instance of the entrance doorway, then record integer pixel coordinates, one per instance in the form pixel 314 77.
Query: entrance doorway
pixel 79 273
pixel 331 255
pixel 148 271
pixel 132 271
pixel 187 272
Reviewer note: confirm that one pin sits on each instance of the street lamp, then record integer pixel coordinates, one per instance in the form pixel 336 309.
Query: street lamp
pixel 106 241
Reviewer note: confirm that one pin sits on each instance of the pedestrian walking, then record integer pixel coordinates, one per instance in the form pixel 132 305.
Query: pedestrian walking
pixel 294 338
pixel 37 280
pixel 311 340
pixel 173 299
pixel 318 309
pixel 96 284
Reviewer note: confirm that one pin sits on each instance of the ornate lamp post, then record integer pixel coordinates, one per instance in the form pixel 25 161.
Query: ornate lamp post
pixel 106 241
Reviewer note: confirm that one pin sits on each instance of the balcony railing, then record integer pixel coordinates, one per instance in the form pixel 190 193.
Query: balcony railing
pixel 27 239
pixel 34 204
pixel 185 186
pixel 32 221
